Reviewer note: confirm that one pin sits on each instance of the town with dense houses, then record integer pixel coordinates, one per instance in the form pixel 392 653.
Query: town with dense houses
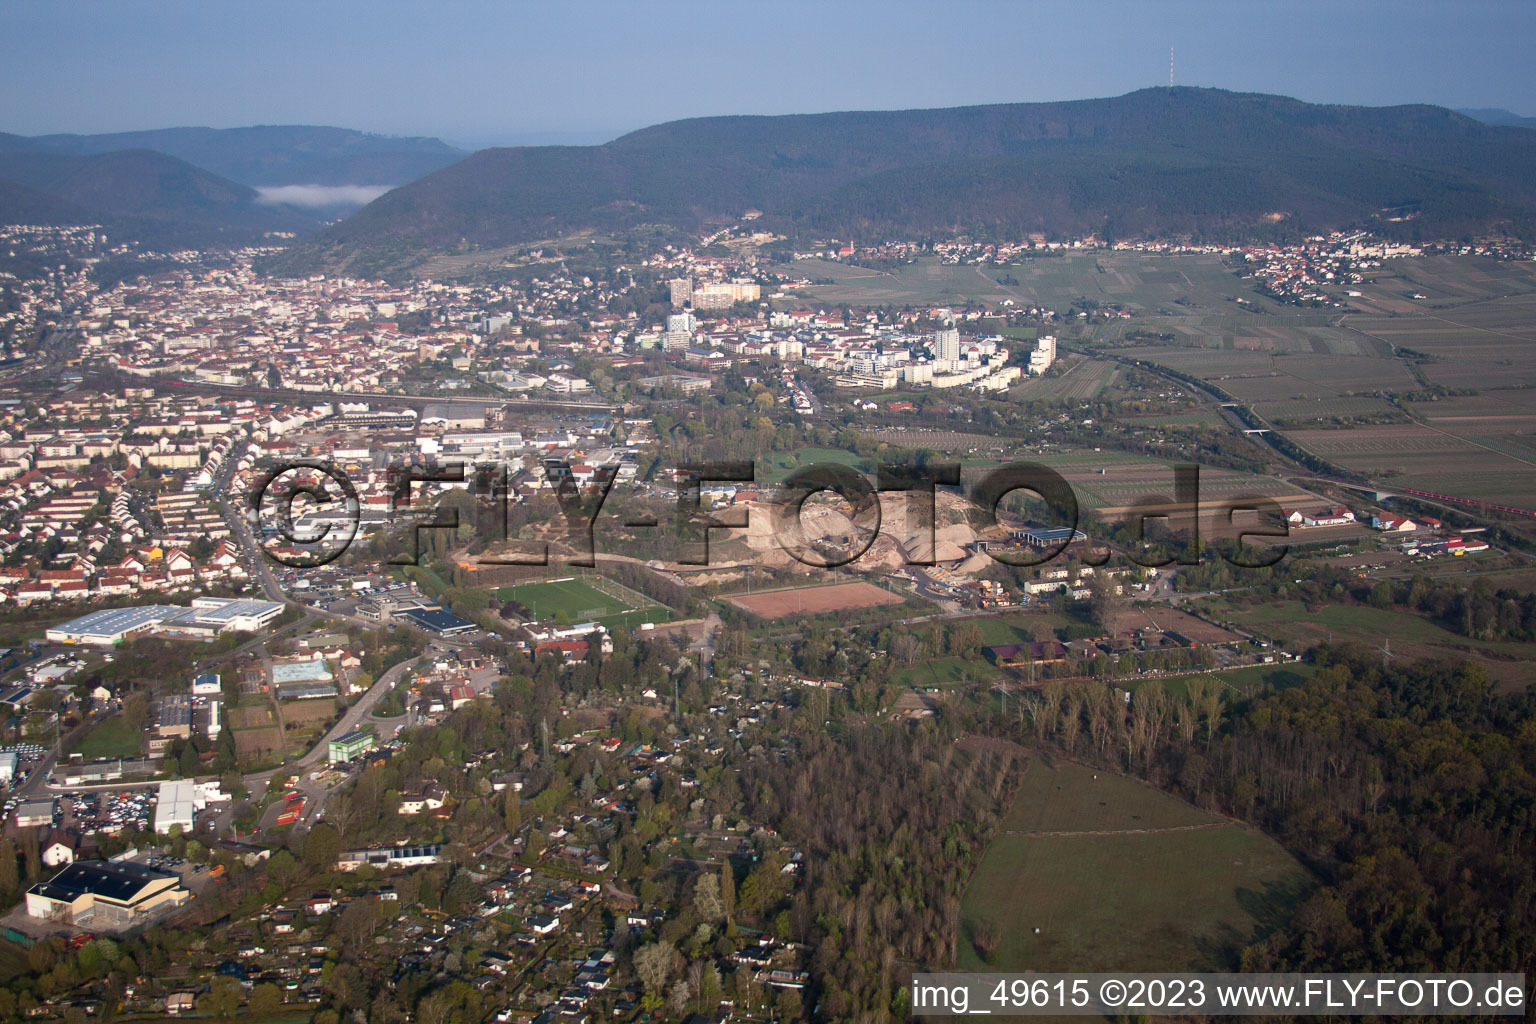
pixel 359 667
pixel 534 514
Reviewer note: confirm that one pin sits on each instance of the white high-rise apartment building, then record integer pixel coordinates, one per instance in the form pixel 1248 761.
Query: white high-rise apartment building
pixel 946 344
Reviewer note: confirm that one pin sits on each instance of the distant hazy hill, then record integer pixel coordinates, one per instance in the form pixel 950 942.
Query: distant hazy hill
pixel 139 193
pixel 270 154
pixel 1497 115
pixel 1197 162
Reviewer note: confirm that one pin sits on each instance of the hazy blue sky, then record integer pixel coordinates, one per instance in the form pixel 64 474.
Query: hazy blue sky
pixel 480 72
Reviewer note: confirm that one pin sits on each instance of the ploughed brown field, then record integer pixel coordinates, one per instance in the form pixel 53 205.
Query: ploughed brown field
pixel 778 604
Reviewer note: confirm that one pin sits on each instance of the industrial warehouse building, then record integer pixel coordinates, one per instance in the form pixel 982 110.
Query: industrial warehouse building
pixel 112 626
pixel 104 895
pixel 207 616
pixel 176 805
pixel 241 615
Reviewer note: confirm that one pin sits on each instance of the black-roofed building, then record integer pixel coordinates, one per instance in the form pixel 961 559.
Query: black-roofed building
pixel 104 895
pixel 438 620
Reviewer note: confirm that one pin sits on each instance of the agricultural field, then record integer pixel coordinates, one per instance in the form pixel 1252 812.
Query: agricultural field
pixel 1426 458
pixel 997 326
pixel 1151 283
pixel 1504 413
pixel 1479 346
pixel 1326 410
pixel 1411 636
pixel 250 742
pixel 1249 679
pixel 1267 377
pixel 298 713
pixel 1111 483
pixel 837 597
pixel 926 282
pixel 1241 332
pixel 1146 283
pixel 111 738
pixel 1165 619
pixel 251 716
pixel 582 600
pixel 1092 871
pixel 1085 380
pixel 1443 281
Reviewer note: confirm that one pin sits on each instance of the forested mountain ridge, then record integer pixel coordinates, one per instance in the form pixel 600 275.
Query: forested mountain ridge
pixel 175 187
pixel 268 154
pixel 139 193
pixel 1200 163
pixel 1498 115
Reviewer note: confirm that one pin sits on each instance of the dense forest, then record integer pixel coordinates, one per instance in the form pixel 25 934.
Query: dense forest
pixel 1410 790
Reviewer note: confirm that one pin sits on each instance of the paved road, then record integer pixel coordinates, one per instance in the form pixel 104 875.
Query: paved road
pixel 925 587
pixel 361 709
pixel 315 794
pixel 705 644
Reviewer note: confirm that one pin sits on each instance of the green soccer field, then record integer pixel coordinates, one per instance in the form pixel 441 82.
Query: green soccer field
pixel 581 601
pixel 575 598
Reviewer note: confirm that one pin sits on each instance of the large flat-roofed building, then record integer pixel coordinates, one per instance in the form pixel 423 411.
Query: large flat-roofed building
pixel 104 895
pixel 93 773
pixel 438 620
pixel 391 857
pixel 113 625
pixel 284 672
pixel 306 691
pixel 206 616
pixel 176 805
pixel 303 680
pixel 246 616
pixel 682 383
pixel 713 294
pixel 350 745
pixel 1040 537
